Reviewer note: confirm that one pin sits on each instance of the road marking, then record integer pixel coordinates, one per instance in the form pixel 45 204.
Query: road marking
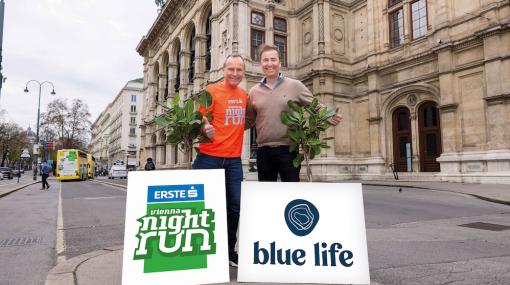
pixel 95 198
pixel 61 246
pixel 112 185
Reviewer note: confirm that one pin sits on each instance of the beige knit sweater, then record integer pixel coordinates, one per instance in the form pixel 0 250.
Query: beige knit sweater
pixel 265 106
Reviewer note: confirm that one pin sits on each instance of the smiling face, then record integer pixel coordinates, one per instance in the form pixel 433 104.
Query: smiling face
pixel 233 71
pixel 270 63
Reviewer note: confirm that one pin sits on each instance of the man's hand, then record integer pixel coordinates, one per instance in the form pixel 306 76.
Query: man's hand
pixel 336 119
pixel 208 129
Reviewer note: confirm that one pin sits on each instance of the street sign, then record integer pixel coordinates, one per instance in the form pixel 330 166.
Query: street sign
pixel 36 149
pixel 25 154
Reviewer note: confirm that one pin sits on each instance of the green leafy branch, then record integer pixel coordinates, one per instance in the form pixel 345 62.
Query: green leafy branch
pixel 305 125
pixel 183 122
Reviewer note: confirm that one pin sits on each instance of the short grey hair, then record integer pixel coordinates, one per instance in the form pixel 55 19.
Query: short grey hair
pixel 234 55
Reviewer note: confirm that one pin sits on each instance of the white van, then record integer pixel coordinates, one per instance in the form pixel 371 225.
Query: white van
pixel 117 171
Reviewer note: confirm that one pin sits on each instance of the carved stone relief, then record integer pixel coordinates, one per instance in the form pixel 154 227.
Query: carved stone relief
pixel 412 100
pixel 307 37
pixel 337 34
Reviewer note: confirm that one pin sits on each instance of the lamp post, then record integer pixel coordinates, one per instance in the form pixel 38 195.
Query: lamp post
pixel 36 155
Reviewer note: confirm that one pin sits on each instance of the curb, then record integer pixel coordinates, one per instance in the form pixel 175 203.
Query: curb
pixel 488 199
pixel 16 189
pixel 65 272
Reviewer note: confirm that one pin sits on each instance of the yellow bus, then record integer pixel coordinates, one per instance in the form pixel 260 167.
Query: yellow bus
pixel 72 164
pixel 91 166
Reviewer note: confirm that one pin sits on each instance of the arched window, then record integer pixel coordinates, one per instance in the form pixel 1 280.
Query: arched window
pixel 178 67
pixel 402 139
pixel 191 73
pixel 166 66
pixel 156 80
pixel 208 43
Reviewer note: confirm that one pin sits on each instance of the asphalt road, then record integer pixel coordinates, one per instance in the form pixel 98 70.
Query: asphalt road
pixel 414 236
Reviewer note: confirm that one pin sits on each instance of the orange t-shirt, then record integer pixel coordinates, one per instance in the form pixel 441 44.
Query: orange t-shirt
pixel 228 110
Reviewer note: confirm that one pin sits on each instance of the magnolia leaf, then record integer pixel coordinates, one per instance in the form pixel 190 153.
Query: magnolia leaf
pixel 297 161
pixel 293 147
pixel 316 149
pixel 176 100
pixel 189 109
pixel 294 106
pixel 292 135
pixel 173 138
pixel 161 121
pixel 204 98
pixel 284 116
pixel 203 139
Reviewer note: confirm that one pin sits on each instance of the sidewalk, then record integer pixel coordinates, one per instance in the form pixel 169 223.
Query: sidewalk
pixel 105 266
pixel 4 191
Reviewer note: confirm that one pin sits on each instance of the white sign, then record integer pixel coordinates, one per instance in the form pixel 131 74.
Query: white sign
pixel 36 149
pixel 25 154
pixel 131 161
pixel 176 228
pixel 302 233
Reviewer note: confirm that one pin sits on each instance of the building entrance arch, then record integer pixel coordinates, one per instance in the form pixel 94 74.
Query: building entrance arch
pixel 429 136
pixel 402 136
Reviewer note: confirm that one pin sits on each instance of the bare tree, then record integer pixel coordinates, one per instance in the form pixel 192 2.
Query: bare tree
pixel 12 139
pixel 71 124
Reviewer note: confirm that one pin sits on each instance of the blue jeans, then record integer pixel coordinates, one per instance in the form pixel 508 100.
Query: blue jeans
pixel 233 177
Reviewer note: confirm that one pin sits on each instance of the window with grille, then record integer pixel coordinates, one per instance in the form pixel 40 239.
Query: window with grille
pixel 396 28
pixel 257 38
pixel 419 18
pixel 257 35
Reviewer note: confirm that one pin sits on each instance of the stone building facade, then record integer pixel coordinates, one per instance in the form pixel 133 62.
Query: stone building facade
pixel 424 86
pixel 115 133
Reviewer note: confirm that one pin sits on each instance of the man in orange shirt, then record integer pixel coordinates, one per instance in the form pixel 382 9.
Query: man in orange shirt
pixel 226 132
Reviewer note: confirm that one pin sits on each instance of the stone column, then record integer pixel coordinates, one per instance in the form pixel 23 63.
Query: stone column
pixel 172 76
pixel 321 43
pixel 495 96
pixel 183 90
pixel 200 46
pixel 450 123
pixel 235 29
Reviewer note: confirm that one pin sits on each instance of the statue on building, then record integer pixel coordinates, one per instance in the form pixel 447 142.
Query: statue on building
pixel 160 3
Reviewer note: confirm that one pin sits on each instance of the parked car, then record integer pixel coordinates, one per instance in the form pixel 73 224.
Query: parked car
pixel 117 171
pixel 16 172
pixel 7 172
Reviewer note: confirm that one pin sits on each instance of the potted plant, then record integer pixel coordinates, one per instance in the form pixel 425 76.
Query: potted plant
pixel 183 122
pixel 305 126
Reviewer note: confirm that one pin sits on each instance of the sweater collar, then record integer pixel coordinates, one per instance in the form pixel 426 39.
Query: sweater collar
pixel 278 81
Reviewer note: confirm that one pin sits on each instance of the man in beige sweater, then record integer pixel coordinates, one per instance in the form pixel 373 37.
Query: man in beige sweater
pixel 266 101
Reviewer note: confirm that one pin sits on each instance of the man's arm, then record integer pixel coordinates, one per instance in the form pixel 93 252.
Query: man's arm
pixel 207 129
pixel 250 116
pixel 305 97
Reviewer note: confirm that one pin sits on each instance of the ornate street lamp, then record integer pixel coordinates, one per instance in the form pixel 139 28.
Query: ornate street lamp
pixel 38 116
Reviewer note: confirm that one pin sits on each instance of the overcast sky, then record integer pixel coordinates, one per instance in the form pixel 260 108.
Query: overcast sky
pixel 85 47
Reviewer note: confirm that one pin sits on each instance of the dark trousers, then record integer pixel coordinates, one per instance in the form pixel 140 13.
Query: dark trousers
pixel 233 177
pixel 45 181
pixel 272 161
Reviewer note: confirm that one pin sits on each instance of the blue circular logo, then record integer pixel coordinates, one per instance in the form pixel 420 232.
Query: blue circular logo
pixel 301 217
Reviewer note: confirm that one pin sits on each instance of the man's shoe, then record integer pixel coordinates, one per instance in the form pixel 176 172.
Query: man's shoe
pixel 233 259
pixel 48 187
